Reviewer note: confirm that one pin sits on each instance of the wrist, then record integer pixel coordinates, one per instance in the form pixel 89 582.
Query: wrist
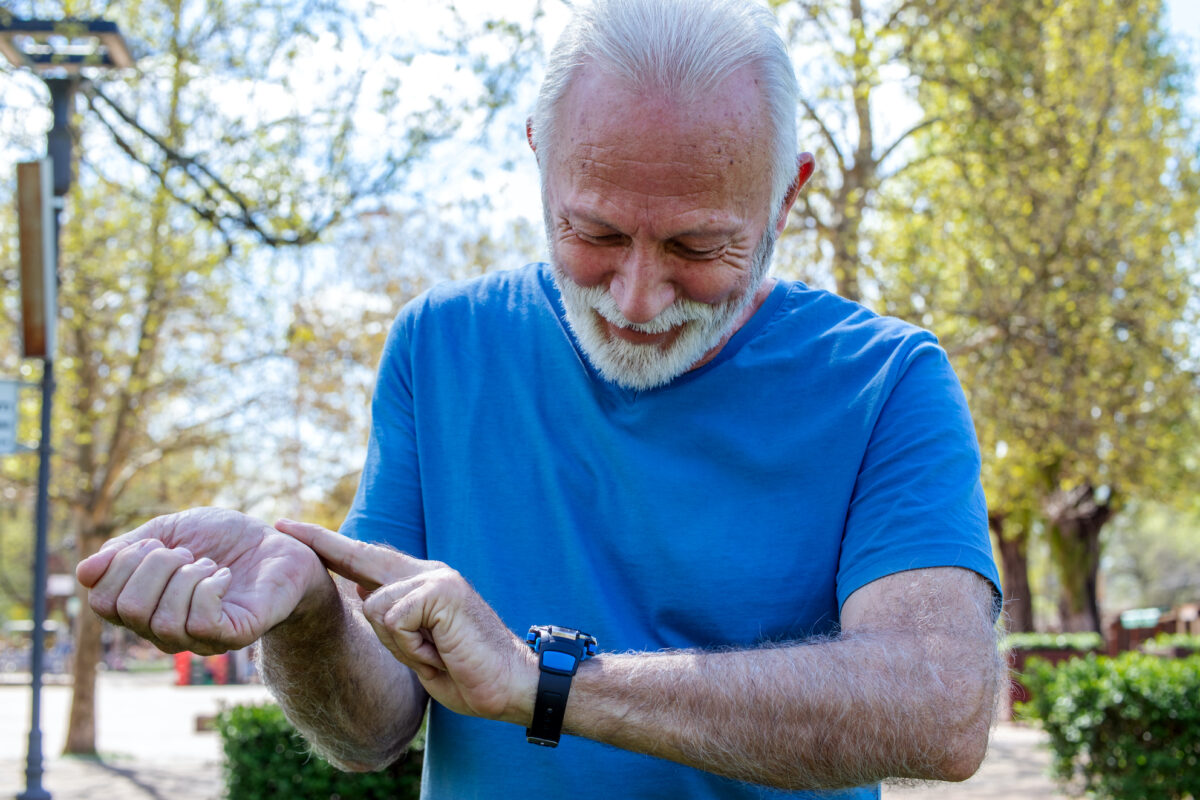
pixel 560 652
pixel 320 608
pixel 524 693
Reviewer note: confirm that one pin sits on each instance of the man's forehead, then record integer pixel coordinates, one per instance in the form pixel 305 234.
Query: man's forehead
pixel 602 118
pixel 596 93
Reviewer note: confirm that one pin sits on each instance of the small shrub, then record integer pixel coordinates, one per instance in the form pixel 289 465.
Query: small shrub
pixel 1126 727
pixel 266 759
pixel 1173 643
pixel 1083 642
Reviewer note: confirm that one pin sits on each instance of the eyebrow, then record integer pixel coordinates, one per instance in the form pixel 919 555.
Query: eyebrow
pixel 575 215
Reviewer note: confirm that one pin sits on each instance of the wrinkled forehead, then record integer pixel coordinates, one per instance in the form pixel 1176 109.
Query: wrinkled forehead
pixel 621 150
pixel 601 119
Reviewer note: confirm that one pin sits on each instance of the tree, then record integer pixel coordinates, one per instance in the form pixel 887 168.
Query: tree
pixel 1151 557
pixel 225 140
pixel 340 321
pixel 1044 252
pixel 855 76
pixel 135 294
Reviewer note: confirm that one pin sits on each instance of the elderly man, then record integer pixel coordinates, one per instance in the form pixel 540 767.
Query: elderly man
pixel 760 502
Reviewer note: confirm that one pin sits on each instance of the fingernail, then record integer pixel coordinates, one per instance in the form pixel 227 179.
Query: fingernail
pixel 206 562
pixel 222 574
pixel 183 551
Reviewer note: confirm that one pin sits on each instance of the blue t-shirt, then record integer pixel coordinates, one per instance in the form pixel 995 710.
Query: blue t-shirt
pixel 823 448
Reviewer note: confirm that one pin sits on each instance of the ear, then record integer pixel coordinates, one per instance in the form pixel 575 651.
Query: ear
pixel 805 166
pixel 529 134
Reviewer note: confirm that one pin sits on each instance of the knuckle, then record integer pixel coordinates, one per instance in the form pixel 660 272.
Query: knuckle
pixel 166 627
pixel 133 609
pixel 102 603
pixel 193 569
pixel 202 638
pixel 443 574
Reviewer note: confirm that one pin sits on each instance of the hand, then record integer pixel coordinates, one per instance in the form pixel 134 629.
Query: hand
pixel 206 580
pixel 434 622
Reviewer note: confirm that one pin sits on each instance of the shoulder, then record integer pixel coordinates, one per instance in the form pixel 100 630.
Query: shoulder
pixel 498 291
pixel 824 331
pixel 825 314
pixel 458 308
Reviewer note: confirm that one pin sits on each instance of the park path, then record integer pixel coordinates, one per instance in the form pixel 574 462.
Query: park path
pixel 151 749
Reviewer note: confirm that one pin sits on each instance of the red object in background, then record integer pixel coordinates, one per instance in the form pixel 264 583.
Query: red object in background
pixel 218 667
pixel 194 670
pixel 183 668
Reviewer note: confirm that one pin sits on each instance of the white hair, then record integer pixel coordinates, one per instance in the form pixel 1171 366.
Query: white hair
pixel 684 47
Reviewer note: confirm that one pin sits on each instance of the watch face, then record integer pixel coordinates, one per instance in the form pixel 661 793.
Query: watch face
pixel 538 635
pixel 556 661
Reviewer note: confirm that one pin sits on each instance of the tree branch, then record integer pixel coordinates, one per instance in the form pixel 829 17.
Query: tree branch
pixel 812 114
pixel 197 173
pixel 925 123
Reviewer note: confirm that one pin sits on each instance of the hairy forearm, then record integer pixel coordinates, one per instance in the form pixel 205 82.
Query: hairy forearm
pixel 844 711
pixel 355 704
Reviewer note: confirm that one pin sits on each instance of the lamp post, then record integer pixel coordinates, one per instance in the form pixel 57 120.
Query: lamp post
pixel 58 51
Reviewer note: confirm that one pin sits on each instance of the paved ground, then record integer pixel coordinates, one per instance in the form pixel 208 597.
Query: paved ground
pixel 150 749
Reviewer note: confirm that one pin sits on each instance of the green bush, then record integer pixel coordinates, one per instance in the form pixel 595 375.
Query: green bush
pixel 1083 642
pixel 266 759
pixel 1170 642
pixel 1126 727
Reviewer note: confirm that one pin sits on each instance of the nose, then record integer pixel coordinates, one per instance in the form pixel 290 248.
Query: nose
pixel 641 285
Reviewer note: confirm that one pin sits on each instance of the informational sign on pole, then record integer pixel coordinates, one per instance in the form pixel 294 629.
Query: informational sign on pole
pixel 8 416
pixel 39 274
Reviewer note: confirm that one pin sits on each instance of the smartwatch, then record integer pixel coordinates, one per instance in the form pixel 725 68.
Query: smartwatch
pixel 560 651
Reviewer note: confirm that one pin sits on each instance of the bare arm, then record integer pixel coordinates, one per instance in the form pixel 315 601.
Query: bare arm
pixel 356 705
pixel 906 690
pixel 211 580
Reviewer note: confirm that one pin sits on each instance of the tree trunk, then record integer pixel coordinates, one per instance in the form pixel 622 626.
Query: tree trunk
pixel 81 726
pixel 1076 517
pixel 1012 539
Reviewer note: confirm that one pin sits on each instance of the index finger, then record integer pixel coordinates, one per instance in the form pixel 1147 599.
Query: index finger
pixel 368 565
pixel 90 570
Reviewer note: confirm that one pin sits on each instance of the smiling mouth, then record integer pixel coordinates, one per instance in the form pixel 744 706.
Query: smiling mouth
pixel 639 337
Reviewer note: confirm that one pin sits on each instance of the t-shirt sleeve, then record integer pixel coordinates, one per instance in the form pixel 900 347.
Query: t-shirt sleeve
pixel 918 501
pixel 387 507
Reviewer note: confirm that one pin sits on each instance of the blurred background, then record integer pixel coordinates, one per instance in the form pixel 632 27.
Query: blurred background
pixel 255 199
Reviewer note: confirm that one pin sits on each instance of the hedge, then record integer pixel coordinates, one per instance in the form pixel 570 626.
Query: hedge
pixel 266 759
pixel 1083 642
pixel 1125 727
pixel 1173 644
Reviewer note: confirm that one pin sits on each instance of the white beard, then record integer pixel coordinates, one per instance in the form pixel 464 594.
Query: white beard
pixel 646 366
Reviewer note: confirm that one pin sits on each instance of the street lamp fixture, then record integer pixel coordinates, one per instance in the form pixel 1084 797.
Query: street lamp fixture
pixel 58 50
pixel 43 45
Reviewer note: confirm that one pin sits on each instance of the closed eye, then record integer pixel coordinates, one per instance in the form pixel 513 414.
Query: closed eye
pixel 605 239
pixel 694 254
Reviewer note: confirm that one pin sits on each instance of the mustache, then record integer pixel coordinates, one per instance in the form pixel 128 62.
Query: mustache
pixel 679 313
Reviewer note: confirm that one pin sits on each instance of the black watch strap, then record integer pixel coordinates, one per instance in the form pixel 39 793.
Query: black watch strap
pixel 560 652
pixel 549 709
